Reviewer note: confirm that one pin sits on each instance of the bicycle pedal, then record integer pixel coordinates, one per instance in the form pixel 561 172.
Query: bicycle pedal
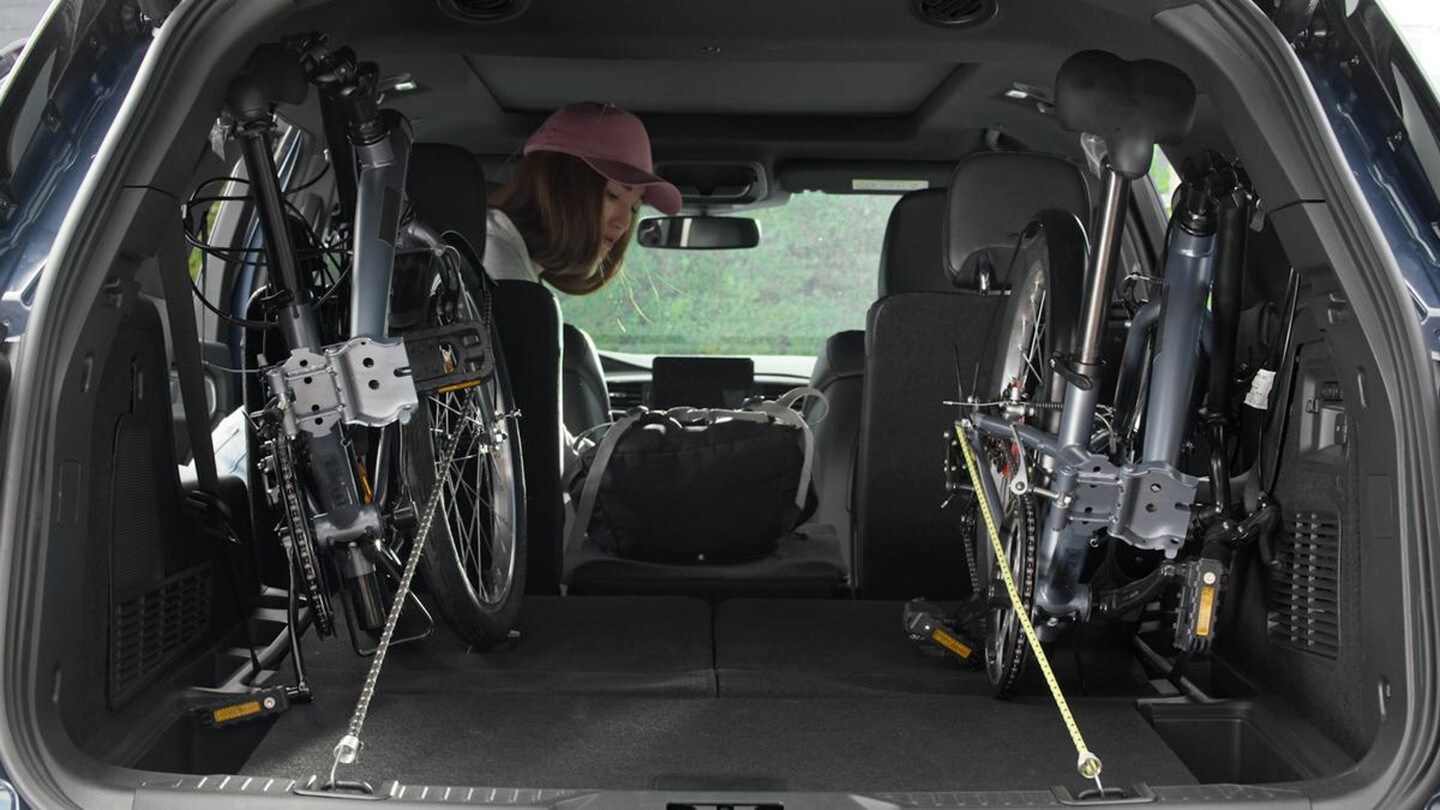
pixel 244 708
pixel 925 625
pixel 958 646
pixel 450 358
pixel 1201 583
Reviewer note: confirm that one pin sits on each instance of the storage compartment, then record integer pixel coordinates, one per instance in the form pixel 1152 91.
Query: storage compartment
pixel 1243 742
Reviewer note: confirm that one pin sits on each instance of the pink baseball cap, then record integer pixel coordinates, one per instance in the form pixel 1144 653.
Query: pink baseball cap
pixel 612 142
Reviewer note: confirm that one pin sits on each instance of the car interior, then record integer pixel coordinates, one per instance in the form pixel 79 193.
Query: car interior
pixel 761 682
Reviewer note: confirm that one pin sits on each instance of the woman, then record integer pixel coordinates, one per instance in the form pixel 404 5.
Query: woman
pixel 567 213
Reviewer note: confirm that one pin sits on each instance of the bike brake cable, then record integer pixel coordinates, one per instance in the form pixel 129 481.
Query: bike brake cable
pixel 1088 764
pixel 347 750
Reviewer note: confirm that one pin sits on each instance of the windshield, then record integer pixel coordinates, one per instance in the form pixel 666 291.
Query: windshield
pixel 813 274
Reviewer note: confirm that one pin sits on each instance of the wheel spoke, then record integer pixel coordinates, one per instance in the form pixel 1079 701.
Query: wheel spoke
pixel 477 499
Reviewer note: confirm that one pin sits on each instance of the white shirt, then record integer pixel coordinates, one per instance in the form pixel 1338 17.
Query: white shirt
pixel 506 256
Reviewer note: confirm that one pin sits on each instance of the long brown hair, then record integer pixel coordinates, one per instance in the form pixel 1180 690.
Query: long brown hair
pixel 555 201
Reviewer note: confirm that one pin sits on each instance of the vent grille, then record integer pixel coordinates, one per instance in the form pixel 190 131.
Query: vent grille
pixel 1305 614
pixel 148 632
pixel 626 395
pixel 483 11
pixel 955 13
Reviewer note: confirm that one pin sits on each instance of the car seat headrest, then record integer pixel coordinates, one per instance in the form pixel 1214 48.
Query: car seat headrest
pixel 993 196
pixel 913 256
pixel 447 190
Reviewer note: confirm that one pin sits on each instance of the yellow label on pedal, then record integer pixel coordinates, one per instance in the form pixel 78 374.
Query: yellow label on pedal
pixel 1207 609
pixel 237 711
pixel 950 643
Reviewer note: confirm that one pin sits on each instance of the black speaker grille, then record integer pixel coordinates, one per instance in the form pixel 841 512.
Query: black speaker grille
pixel 956 13
pixel 1305 613
pixel 483 11
pixel 148 632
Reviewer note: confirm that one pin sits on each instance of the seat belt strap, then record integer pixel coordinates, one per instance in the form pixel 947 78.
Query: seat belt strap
pixel 185 348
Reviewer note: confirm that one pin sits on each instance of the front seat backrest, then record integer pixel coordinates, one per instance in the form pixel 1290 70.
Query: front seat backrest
pixel 586 396
pixel 911 257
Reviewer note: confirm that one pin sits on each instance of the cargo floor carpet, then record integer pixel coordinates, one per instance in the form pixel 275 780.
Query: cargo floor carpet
pixel 664 693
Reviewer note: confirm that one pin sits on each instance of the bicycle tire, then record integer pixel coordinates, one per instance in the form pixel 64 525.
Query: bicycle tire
pixel 475 555
pixel 1038 326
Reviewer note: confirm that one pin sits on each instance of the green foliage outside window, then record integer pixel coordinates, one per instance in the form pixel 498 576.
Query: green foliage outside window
pixel 813 274
pixel 1165 177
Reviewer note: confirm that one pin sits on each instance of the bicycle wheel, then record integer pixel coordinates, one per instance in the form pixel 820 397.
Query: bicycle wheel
pixel 474 558
pixel 1038 325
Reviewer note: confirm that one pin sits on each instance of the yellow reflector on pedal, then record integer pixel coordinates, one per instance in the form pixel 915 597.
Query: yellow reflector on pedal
pixel 950 643
pixel 1207 610
pixel 225 714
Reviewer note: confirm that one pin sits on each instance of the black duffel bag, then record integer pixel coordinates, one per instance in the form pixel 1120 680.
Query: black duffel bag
pixel 695 485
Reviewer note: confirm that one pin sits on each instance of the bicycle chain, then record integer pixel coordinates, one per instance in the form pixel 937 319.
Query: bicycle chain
pixel 972 536
pixel 1025 503
pixel 298 535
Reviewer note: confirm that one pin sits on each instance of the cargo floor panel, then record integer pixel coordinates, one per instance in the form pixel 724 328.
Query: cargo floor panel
pixel 662 692
pixel 657 646
pixel 629 743
pixel 817 648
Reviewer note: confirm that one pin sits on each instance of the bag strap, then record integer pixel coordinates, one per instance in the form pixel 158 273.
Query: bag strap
pixel 591 490
pixel 780 410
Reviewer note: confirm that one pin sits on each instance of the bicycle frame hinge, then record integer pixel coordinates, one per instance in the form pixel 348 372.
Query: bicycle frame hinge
pixel 361 381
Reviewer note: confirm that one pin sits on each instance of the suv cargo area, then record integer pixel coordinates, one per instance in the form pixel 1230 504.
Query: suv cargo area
pixel 674 693
pixel 150 607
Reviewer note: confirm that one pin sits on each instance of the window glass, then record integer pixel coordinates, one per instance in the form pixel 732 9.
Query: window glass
pixel 813 274
pixel 1165 178
pixel 1418 21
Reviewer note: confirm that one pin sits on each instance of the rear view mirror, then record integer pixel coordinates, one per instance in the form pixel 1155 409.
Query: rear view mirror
pixel 698 233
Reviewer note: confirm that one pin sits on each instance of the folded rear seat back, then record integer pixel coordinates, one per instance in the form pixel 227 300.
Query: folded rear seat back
pixel 929 336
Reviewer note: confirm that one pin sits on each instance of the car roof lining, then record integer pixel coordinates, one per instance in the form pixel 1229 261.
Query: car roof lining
pixel 746 80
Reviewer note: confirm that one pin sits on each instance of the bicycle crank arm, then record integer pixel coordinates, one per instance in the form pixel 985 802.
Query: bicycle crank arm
pixel 1120 601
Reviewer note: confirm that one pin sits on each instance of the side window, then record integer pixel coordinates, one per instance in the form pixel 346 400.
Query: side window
pixel 1165 178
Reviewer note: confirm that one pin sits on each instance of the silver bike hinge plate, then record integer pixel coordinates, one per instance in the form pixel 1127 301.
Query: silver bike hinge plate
pixel 361 382
pixel 1153 506
pixel 1146 505
pixel 1094 491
